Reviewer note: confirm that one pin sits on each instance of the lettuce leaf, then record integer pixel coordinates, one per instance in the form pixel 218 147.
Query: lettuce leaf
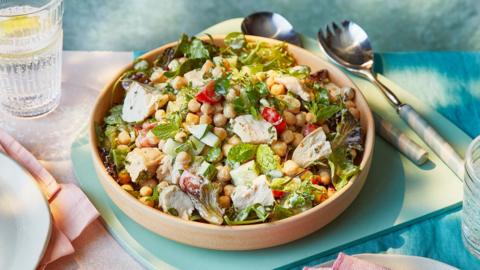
pixel 235 40
pixel 255 213
pixel 348 133
pixel 241 153
pixel 266 159
pixel 342 167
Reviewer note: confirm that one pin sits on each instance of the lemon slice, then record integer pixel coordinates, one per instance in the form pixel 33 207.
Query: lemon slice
pixel 19 25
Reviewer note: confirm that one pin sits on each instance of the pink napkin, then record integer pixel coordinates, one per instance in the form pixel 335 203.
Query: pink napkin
pixel 345 262
pixel 71 210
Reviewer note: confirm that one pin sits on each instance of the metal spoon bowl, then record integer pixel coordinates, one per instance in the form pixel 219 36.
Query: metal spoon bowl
pixel 348 46
pixel 271 25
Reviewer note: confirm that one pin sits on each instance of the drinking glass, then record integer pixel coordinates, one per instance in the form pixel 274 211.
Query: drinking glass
pixel 30 56
pixel 471 199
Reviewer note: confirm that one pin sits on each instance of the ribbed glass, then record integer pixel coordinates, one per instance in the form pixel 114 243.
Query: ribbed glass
pixel 30 56
pixel 471 199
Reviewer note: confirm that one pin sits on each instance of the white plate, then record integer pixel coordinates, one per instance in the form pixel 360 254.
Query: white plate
pixel 25 222
pixel 401 262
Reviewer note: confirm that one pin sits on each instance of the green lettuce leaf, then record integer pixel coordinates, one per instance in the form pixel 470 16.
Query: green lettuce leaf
pixel 342 166
pixel 114 117
pixel 118 156
pixel 255 213
pixel 235 40
pixel 241 153
pixel 348 133
pixel 266 159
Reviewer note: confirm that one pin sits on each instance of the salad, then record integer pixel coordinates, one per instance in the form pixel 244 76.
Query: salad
pixel 232 135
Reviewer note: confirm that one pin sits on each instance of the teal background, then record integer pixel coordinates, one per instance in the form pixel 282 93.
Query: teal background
pixel 407 25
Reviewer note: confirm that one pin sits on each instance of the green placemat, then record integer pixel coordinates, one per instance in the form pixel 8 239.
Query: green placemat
pixel 396 194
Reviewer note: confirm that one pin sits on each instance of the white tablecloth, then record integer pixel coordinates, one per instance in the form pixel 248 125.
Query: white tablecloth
pixel 49 138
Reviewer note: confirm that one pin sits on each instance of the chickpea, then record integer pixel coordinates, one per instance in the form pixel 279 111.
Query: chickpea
pixel 301 119
pixel 223 174
pixel 207 108
pixel 192 119
pixel 234 140
pixel 287 136
pixel 279 148
pixel 162 101
pixel 231 95
pixel 224 201
pixel 123 177
pixel 289 118
pixel 219 120
pixel 127 187
pixel 325 177
pixel 183 158
pixel 270 81
pixel 225 148
pixel 229 111
pixel 218 108
pixel 297 138
pixel 311 118
pixel 157 76
pixel 146 191
pixel 146 200
pixel 330 192
pixel 205 119
pixel 228 190
pixel 220 132
pixel 277 89
pixel 350 104
pixel 172 97
pixel 355 112
pixel 123 137
pixel 194 105
pixel 180 137
pixel 160 115
pixel 290 168
pixel 178 82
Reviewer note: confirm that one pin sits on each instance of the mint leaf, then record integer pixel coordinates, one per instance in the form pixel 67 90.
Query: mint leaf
pixel 241 153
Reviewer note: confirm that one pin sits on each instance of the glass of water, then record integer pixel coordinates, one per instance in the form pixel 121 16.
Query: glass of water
pixel 471 199
pixel 30 56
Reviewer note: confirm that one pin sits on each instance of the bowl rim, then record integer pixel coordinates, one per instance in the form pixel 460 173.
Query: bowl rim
pixel 158 214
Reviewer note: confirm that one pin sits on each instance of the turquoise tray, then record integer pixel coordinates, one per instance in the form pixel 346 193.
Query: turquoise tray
pixel 397 193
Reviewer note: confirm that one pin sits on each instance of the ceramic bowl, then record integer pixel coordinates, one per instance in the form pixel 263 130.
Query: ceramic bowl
pixel 244 237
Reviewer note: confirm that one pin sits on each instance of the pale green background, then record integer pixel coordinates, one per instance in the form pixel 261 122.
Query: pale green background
pixel 394 25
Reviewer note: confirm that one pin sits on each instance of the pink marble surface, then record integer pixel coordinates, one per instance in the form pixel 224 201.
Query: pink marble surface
pixel 49 139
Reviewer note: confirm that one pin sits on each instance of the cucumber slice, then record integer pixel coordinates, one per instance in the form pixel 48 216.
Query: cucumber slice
pixel 210 139
pixel 207 170
pixel 198 130
pixel 197 146
pixel 170 146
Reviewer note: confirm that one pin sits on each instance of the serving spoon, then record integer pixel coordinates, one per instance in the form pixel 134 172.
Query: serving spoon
pixel 348 46
pixel 271 25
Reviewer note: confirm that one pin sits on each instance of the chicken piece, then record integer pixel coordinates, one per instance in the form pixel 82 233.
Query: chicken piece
pixel 140 160
pixel 169 170
pixel 195 77
pixel 172 197
pixel 258 192
pixel 139 103
pixel 312 148
pixel 251 130
pixel 294 85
